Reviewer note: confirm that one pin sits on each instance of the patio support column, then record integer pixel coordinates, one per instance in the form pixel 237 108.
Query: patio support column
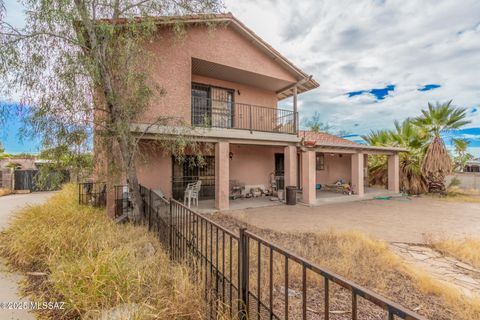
pixel 309 177
pixel 291 164
pixel 295 110
pixel 222 175
pixel 358 173
pixel 394 172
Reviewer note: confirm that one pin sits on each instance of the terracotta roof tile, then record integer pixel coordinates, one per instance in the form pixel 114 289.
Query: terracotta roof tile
pixel 325 138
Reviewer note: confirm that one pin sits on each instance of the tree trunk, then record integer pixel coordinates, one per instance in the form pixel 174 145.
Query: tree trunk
pixel 135 194
pixel 436 184
pixel 132 178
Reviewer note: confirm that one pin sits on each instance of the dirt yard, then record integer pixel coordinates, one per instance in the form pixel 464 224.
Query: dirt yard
pixel 410 221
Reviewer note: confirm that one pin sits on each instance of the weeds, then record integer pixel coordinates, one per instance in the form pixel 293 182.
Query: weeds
pixel 466 250
pixel 98 268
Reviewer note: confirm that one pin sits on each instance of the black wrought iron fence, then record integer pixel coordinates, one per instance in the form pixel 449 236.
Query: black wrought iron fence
pixel 246 276
pixel 227 114
pixel 92 193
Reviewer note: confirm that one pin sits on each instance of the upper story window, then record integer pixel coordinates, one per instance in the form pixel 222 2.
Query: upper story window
pixel 212 106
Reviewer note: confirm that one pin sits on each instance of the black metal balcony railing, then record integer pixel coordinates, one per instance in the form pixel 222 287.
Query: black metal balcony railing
pixel 227 114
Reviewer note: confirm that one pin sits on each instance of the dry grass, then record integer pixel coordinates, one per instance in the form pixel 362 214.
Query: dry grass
pixel 95 266
pixel 373 265
pixel 457 194
pixel 466 250
pixel 4 192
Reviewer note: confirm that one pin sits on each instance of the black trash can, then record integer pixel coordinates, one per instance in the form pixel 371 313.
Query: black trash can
pixel 291 195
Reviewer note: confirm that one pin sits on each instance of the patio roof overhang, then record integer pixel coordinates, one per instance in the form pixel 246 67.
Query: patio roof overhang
pixel 227 73
pixel 343 148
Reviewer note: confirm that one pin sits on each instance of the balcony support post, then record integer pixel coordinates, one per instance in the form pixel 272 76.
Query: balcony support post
pixel 295 114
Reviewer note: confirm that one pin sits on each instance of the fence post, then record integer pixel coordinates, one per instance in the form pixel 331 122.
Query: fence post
pixel 244 274
pixel 149 209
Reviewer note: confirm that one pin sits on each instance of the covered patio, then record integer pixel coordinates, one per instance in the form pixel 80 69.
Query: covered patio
pixel 249 174
pixel 336 170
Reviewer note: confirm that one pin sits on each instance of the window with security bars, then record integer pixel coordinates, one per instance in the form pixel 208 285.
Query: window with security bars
pixel 192 169
pixel 212 106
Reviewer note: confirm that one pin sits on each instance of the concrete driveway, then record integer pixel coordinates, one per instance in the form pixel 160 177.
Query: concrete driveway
pixel 8 281
pixel 390 220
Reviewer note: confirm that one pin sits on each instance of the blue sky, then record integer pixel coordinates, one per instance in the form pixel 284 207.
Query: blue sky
pixel 376 60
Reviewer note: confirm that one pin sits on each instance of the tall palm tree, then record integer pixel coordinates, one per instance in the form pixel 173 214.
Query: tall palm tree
pixel 435 120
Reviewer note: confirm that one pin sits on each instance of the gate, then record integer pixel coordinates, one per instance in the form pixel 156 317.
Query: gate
pixel 24 179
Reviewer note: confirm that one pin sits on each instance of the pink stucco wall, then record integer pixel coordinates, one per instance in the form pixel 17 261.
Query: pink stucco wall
pixel 336 167
pixel 154 169
pixel 172 69
pixel 252 164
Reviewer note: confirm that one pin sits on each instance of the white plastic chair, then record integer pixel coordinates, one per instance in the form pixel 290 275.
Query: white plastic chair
pixel 191 193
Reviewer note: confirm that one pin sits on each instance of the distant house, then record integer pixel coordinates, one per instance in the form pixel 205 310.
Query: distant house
pixel 472 165
pixel 17 173
pixel 19 163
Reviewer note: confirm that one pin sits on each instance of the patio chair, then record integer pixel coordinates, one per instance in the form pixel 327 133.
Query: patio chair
pixel 191 193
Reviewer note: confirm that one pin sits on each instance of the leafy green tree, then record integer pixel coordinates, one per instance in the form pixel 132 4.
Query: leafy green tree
pixel 69 159
pixel 315 124
pixel 83 65
pixel 461 155
pixel 3 154
pixel 435 120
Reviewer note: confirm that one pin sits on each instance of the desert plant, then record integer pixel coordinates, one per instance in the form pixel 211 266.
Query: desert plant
pixel 435 120
pixel 407 136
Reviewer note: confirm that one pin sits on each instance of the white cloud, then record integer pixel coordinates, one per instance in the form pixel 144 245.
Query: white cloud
pixel 351 45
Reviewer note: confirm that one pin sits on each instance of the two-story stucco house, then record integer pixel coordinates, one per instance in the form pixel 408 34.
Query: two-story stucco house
pixel 235 80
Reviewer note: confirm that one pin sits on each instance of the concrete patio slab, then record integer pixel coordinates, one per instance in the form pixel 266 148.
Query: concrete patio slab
pixel 410 220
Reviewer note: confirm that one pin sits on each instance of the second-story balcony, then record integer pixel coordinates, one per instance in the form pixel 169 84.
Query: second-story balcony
pixel 214 113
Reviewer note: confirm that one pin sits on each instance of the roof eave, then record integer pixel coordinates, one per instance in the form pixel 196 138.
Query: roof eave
pixel 360 147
